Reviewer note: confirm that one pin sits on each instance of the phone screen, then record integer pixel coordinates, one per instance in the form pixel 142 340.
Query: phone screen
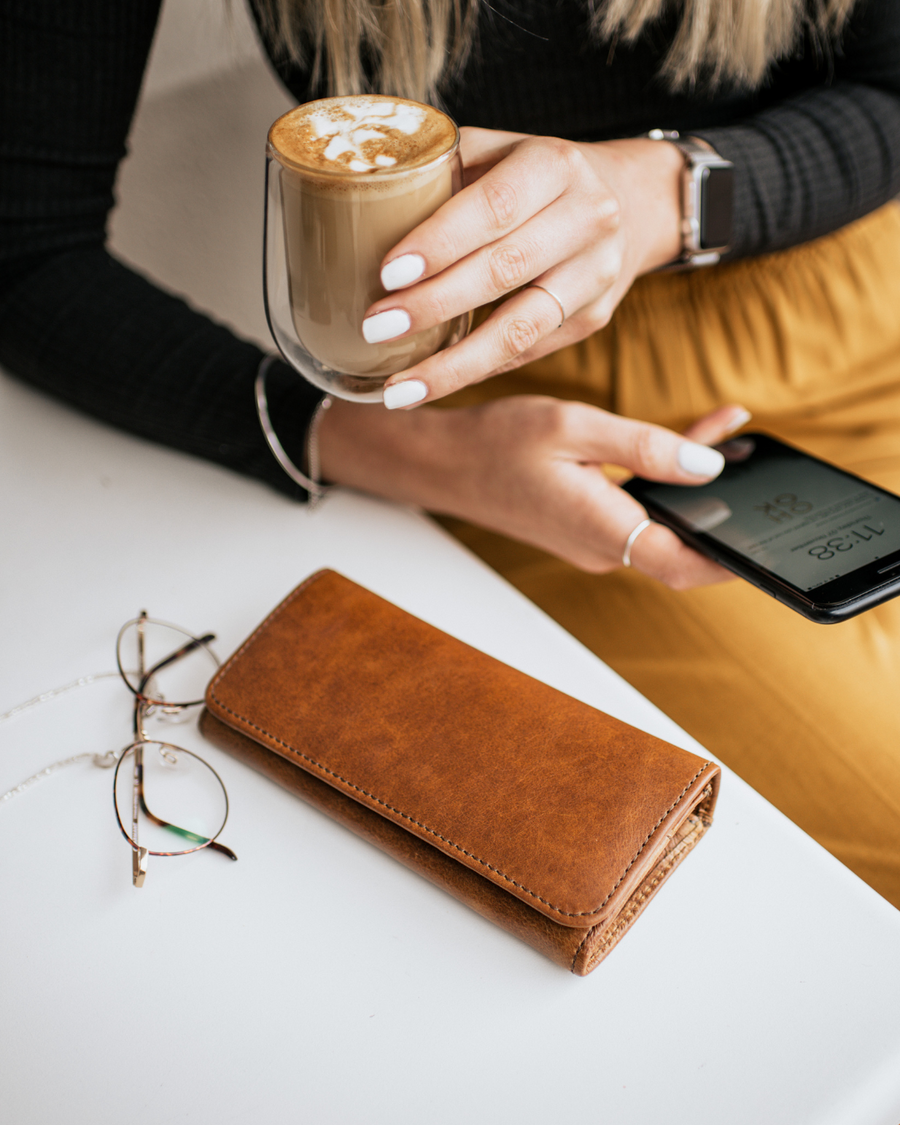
pixel 797 517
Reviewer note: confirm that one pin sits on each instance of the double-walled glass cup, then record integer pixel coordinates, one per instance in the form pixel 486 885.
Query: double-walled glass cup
pixel 329 225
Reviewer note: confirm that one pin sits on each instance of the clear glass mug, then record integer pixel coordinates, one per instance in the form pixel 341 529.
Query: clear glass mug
pixel 326 235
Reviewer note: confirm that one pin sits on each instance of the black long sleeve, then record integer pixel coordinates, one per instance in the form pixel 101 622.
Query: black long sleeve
pixel 816 147
pixel 74 320
pixel 824 156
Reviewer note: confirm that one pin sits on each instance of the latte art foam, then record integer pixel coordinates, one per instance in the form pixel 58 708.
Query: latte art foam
pixel 362 135
pixel 370 124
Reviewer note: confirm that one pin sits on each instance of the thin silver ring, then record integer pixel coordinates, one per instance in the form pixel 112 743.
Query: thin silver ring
pixel 562 311
pixel 629 542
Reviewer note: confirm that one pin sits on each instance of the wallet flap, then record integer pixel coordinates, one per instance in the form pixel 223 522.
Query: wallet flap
pixel 558 803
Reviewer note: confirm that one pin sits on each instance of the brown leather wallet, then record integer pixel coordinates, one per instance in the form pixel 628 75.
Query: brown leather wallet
pixel 548 817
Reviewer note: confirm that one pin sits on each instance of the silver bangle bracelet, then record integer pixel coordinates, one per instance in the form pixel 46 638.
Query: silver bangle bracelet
pixel 311 483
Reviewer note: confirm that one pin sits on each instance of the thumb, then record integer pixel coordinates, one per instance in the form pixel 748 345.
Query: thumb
pixel 722 423
pixel 645 449
pixel 481 149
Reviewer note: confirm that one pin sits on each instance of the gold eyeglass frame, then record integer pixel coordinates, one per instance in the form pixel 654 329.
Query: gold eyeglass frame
pixel 145 702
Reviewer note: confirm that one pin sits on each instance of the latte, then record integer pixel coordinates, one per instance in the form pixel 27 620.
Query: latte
pixel 357 174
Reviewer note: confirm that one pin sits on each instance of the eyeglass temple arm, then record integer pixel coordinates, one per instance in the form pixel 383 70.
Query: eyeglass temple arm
pixel 138 866
pixel 185 832
pixel 185 650
pixel 178 654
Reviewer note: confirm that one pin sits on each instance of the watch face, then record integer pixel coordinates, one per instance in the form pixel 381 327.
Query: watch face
pixel 716 207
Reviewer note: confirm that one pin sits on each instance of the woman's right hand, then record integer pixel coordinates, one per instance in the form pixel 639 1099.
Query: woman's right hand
pixel 529 467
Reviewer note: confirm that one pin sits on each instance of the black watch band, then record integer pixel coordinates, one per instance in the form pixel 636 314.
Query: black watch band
pixel 707 200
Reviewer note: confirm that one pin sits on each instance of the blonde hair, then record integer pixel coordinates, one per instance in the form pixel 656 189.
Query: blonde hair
pixel 415 46
pixel 412 45
pixel 725 42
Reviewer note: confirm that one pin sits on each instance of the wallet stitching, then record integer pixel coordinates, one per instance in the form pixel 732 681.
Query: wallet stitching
pixel 406 816
pixel 633 908
pixel 452 843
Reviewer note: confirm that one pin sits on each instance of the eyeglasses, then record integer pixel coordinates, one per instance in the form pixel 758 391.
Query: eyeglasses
pixel 164 795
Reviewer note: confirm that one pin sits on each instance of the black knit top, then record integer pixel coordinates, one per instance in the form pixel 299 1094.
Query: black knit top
pixel 816 147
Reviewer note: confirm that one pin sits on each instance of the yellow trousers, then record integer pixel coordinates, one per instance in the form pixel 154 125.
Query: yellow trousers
pixel 808 340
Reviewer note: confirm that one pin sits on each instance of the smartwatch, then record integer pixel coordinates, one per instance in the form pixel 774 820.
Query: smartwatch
pixel 707 201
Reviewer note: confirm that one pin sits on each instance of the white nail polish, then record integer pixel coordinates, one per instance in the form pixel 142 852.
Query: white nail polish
pixel 741 420
pixel 385 326
pixel 700 460
pixel 402 271
pixel 404 394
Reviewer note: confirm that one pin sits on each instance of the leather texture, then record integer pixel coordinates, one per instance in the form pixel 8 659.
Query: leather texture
pixel 545 815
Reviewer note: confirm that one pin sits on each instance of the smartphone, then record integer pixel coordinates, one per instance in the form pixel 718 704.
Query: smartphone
pixel 819 539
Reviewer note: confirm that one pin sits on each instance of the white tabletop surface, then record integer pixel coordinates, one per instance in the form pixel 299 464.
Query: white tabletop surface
pixel 316 980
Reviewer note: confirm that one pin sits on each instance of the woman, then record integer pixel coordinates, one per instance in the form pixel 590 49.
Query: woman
pixel 568 213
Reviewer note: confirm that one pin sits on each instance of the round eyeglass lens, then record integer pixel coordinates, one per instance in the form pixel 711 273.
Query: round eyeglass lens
pixel 165 664
pixel 167 799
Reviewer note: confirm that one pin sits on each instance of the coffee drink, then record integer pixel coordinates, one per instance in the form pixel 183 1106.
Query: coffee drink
pixel 356 175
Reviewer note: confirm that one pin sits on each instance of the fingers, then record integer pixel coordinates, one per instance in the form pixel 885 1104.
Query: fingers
pixel 538 213
pixel 513 328
pixel 481 149
pixel 722 423
pixel 526 325
pixel 606 516
pixel 532 175
pixel 577 326
pixel 659 553
pixel 647 450
pixel 553 235
pixel 656 551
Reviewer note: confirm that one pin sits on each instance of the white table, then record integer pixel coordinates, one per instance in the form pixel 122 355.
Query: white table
pixel 316 980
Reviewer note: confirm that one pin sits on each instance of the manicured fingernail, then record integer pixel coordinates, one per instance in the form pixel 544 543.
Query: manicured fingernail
pixel 739 420
pixel 404 394
pixel 403 271
pixel 700 460
pixel 385 326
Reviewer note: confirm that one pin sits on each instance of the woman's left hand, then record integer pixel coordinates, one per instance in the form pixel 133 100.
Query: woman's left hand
pixel 582 219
